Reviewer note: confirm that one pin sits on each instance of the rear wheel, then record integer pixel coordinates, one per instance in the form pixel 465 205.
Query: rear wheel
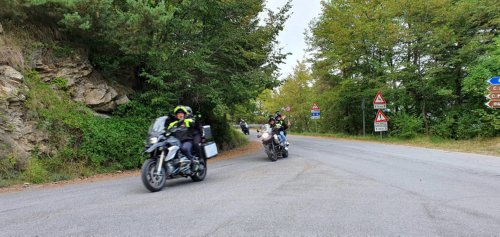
pixel 153 181
pixel 201 173
pixel 285 153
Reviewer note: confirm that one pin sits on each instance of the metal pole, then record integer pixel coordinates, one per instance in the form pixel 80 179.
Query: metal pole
pixel 364 123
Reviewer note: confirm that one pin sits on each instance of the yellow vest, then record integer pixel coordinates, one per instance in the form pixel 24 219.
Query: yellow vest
pixel 187 122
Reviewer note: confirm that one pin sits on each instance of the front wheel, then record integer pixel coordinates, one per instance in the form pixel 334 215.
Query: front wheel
pixel 150 178
pixel 271 153
pixel 201 173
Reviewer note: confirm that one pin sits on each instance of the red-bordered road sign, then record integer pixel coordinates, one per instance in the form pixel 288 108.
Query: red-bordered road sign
pixel 315 106
pixel 379 101
pixel 381 117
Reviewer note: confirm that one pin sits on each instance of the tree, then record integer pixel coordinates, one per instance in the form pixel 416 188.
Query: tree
pixel 212 55
pixel 417 52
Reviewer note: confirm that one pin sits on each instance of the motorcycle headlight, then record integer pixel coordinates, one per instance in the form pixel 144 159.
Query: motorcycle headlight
pixel 153 140
pixel 265 135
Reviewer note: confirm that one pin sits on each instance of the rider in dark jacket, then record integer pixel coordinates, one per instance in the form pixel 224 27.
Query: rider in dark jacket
pixel 186 130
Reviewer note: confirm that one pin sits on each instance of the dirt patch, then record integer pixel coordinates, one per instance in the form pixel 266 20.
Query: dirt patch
pixel 251 147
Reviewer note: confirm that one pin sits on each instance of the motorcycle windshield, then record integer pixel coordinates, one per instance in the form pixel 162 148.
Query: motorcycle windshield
pixel 267 128
pixel 158 126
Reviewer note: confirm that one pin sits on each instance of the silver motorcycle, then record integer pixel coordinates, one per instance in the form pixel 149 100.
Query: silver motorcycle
pixel 272 146
pixel 167 161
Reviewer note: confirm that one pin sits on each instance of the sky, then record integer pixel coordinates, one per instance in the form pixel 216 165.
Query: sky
pixel 292 38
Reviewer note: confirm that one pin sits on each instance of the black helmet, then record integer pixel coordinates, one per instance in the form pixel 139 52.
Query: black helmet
pixel 278 115
pixel 271 119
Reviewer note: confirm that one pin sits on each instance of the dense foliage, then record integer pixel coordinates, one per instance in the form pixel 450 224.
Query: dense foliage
pixel 211 55
pixel 215 56
pixel 80 143
pixel 430 59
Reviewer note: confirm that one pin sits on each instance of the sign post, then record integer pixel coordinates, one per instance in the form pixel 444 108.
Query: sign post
pixel 315 114
pixel 364 123
pixel 494 89
pixel 380 123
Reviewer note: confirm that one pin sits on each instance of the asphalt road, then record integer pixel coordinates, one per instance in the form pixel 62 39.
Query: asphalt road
pixel 326 187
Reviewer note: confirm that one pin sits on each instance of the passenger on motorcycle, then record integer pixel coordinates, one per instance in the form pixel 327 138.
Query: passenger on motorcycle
pixel 283 126
pixel 197 131
pixel 186 132
pixel 274 125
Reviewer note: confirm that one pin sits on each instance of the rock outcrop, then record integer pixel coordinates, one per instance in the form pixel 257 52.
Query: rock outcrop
pixel 18 136
pixel 73 73
pixel 84 83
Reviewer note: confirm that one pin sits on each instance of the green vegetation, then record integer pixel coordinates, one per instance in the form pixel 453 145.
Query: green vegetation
pixel 81 143
pixel 430 59
pixel 215 56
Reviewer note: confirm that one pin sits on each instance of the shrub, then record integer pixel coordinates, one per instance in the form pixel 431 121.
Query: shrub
pixel 35 173
pixel 82 139
pixel 405 125
pixel 467 124
pixel 443 126
pixel 7 166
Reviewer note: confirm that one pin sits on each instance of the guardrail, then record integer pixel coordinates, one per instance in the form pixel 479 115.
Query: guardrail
pixel 249 126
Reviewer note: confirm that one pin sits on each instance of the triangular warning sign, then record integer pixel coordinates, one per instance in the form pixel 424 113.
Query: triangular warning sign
pixel 379 99
pixel 381 117
pixel 315 106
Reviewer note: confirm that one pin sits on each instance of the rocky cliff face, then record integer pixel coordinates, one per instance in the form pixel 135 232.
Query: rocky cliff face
pixel 18 134
pixel 84 83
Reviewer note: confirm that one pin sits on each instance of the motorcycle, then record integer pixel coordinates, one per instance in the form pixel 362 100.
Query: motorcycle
pixel 272 146
pixel 167 161
pixel 244 129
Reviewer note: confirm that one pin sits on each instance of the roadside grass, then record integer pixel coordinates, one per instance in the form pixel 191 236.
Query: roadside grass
pixel 486 146
pixel 82 174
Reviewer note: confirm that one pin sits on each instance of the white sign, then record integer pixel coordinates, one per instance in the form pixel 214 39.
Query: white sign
pixel 380 126
pixel 315 114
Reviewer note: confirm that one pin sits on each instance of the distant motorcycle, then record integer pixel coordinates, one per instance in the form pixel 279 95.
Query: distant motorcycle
pixel 245 129
pixel 272 146
pixel 166 160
